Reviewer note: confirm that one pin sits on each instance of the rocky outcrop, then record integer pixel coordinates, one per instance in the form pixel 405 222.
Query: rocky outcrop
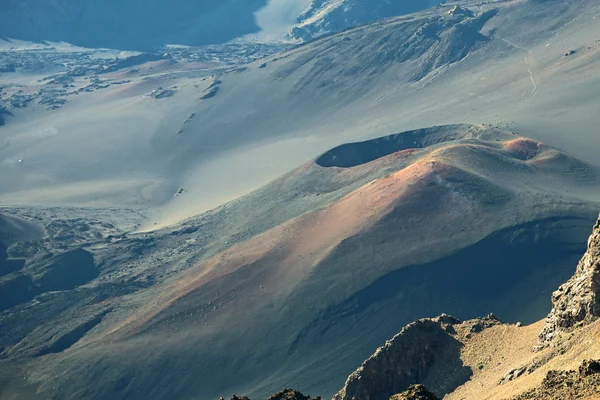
pixel 408 358
pixel 558 385
pixel 286 394
pixel 211 90
pixel 415 392
pixel 325 16
pixel 577 302
pixel 289 394
pixel 133 61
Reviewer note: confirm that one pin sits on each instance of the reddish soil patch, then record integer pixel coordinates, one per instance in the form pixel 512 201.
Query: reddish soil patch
pixel 523 149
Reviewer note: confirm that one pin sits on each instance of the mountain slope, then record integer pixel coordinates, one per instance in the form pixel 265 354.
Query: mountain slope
pixel 137 25
pixel 463 359
pixel 281 287
pixel 130 24
pixel 119 147
pixel 327 16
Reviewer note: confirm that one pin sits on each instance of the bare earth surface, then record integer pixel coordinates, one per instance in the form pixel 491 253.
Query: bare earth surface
pixel 116 146
pixel 207 221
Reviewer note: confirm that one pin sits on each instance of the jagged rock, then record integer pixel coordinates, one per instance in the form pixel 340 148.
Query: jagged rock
pixel 289 394
pixel 582 384
pixel 577 302
pixel 589 367
pixel 480 324
pixel 526 369
pixel 134 61
pixel 407 359
pixel 512 375
pixel 161 93
pixel 458 10
pixel 210 93
pixel 415 392
pixel 448 320
pixel 325 16
pixel 286 394
pixel 211 90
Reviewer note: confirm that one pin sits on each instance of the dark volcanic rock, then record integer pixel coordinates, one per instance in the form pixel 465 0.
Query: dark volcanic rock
pixel 133 61
pixel 289 394
pixel 161 93
pixel 286 394
pixel 479 325
pixel 589 367
pixel 407 359
pixel 66 271
pixel 577 301
pixel 415 392
pixel 211 91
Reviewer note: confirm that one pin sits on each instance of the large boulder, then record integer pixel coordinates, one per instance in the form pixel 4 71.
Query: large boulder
pixel 415 392
pixel 408 358
pixel 577 302
pixel 290 394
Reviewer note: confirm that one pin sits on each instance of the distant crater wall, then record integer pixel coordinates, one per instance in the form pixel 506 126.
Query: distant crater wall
pixel 353 154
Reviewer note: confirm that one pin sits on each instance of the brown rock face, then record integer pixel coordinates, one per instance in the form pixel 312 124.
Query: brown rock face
pixel 408 358
pixel 559 385
pixel 415 392
pixel 576 302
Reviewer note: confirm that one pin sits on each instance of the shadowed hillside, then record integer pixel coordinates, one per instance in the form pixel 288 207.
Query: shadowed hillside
pixel 130 24
pixel 465 360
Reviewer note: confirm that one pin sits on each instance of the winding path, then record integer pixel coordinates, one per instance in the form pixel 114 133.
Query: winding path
pixel 529 70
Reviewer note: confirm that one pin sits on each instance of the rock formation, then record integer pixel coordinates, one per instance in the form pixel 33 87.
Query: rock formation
pixel 581 384
pixel 415 392
pixel 407 359
pixel 577 302
pixel 286 394
pixel 289 394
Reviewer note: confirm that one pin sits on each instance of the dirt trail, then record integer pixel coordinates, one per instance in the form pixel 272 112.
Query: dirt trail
pixel 529 71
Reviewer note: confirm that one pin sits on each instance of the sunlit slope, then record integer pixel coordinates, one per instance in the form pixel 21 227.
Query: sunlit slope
pixel 500 63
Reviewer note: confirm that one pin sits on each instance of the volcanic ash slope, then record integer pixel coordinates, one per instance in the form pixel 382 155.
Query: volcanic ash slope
pixel 303 278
